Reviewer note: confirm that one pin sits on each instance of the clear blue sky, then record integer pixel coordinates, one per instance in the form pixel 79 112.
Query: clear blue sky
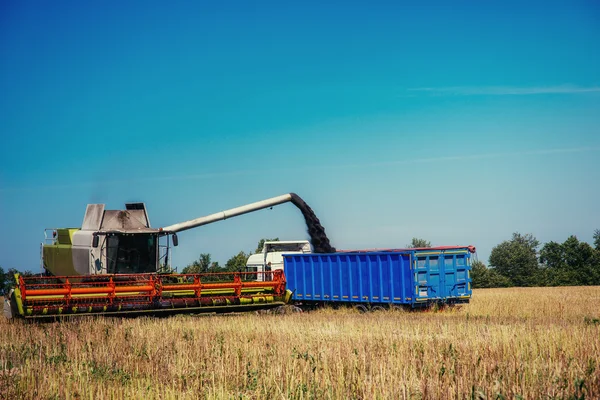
pixel 458 122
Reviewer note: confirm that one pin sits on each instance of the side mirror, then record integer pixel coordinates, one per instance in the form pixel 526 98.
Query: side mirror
pixel 175 240
pixel 95 240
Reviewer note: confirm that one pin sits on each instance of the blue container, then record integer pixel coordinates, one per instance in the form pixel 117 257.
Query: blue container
pixel 409 277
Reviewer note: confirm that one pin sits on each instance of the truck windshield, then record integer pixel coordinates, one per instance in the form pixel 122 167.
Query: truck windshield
pixel 252 268
pixel 283 247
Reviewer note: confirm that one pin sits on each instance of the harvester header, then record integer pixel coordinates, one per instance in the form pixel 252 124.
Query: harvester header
pixel 51 297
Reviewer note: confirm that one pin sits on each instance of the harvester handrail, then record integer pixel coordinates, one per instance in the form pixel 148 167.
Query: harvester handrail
pixel 53 236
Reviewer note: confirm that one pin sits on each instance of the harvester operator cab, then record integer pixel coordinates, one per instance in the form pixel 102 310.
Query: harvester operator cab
pixel 109 242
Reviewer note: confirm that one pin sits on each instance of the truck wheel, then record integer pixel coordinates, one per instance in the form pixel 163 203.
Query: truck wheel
pixel 377 309
pixel 360 308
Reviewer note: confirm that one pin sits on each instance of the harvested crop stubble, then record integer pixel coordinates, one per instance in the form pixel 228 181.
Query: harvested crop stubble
pixel 534 343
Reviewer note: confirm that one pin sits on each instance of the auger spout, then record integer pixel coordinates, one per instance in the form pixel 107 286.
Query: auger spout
pixel 318 238
pixel 233 212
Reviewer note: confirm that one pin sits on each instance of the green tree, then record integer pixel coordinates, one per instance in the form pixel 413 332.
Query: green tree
pixel 516 259
pixel 597 239
pixel 483 277
pixel 201 265
pixel 416 242
pixel 7 279
pixel 569 263
pixel 261 244
pixel 237 262
pixel 4 282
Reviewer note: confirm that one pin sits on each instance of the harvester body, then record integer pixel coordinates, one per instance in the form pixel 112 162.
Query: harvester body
pixel 116 263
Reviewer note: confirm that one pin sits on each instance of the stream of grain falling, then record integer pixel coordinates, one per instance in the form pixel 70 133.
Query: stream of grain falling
pixel 318 237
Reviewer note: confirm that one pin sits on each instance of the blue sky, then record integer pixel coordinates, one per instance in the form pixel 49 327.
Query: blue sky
pixel 458 122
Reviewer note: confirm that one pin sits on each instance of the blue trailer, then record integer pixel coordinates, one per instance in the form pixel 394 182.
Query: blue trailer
pixel 408 277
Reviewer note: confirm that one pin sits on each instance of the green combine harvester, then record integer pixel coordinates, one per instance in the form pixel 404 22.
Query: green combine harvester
pixel 116 263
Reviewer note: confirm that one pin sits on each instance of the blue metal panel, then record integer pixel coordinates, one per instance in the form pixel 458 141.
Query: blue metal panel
pixel 368 278
pixel 394 277
pixel 449 275
pixel 444 274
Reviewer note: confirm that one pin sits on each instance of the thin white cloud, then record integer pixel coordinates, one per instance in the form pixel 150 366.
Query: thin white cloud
pixel 250 172
pixel 491 155
pixel 504 90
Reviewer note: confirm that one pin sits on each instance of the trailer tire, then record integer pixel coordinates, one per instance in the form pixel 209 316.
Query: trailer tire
pixel 360 308
pixel 377 309
pixel 287 309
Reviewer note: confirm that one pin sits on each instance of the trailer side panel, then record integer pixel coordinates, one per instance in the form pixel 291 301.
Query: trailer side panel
pixel 416 277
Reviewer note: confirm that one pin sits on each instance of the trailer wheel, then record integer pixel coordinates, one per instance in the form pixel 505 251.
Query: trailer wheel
pixel 287 309
pixel 360 308
pixel 377 309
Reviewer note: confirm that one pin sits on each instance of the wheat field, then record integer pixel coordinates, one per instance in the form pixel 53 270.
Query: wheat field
pixel 527 343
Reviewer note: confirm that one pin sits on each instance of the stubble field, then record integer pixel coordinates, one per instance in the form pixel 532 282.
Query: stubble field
pixel 507 343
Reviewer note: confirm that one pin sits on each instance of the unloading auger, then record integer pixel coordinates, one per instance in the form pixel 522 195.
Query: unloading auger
pixel 116 263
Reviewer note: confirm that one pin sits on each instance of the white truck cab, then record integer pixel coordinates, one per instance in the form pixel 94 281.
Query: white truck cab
pixel 273 252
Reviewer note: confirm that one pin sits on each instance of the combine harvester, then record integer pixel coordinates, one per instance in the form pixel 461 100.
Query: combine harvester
pixel 115 264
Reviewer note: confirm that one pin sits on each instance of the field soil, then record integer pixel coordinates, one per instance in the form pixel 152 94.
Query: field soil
pixel 507 343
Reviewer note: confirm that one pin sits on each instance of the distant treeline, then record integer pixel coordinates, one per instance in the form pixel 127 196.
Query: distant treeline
pixel 516 262
pixel 7 279
pixel 521 262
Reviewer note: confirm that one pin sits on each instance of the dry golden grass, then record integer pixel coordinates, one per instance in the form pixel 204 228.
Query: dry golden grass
pixel 534 343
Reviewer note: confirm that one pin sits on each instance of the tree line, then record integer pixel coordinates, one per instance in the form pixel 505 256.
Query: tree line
pixel 516 262
pixel 237 262
pixel 7 279
pixel 521 262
